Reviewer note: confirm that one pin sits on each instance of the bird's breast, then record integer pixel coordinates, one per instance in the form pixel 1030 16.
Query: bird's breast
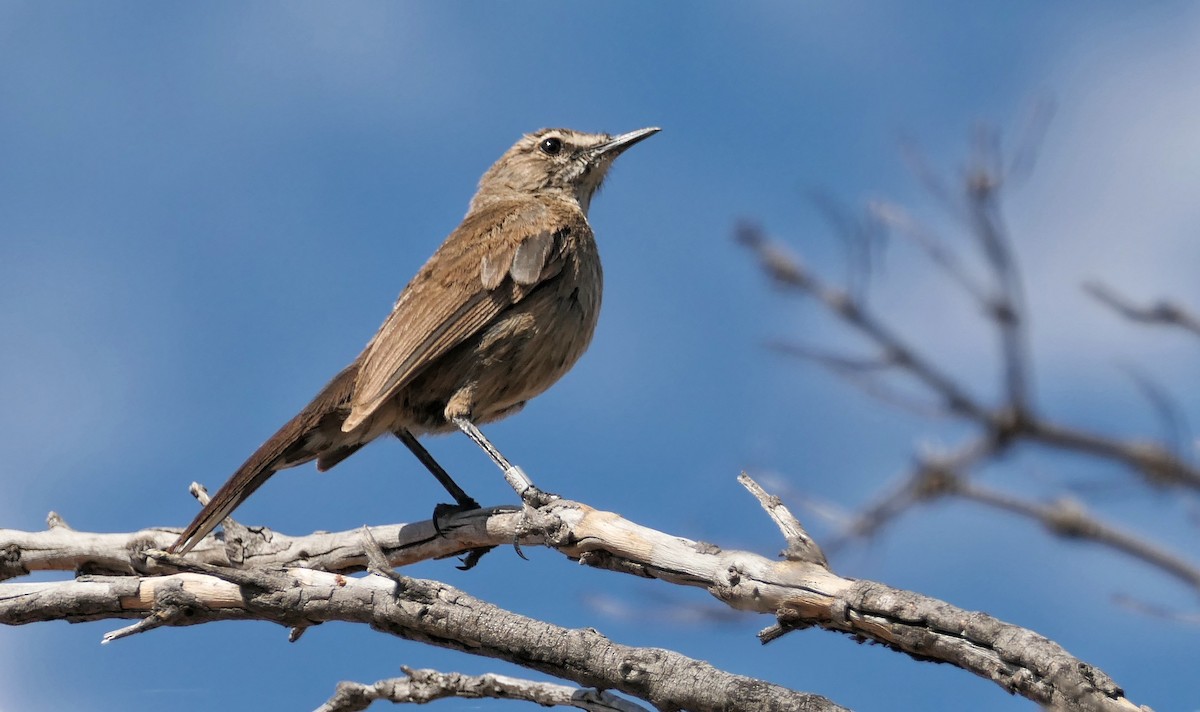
pixel 551 328
pixel 522 352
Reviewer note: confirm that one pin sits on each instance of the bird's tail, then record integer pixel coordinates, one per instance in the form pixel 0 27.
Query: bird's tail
pixel 304 438
pixel 243 483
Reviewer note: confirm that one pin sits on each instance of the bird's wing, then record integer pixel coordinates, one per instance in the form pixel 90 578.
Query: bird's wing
pixel 496 257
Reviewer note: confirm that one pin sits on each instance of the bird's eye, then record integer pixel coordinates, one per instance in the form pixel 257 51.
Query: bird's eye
pixel 551 146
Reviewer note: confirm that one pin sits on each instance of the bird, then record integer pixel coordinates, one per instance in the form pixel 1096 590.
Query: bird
pixel 501 311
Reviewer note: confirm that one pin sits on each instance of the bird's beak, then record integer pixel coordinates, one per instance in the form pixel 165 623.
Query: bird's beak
pixel 616 145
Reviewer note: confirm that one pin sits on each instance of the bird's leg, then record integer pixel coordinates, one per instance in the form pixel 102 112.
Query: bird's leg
pixel 464 500
pixel 516 477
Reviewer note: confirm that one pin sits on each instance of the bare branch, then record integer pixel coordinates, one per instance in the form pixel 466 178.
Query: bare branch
pixel 787 271
pixel 1157 464
pixel 1170 416
pixel 798 593
pixel 898 219
pixel 933 184
pixel 1007 305
pixel 860 235
pixel 1005 424
pixel 938 475
pixel 61 549
pixel 801 546
pixel 1162 612
pixel 424 611
pixel 1161 312
pixel 935 475
pixel 1029 140
pixel 422 686
pixel 1069 518
pixel 865 374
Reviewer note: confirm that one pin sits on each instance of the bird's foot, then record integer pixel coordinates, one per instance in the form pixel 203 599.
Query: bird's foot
pixel 442 511
pixel 472 557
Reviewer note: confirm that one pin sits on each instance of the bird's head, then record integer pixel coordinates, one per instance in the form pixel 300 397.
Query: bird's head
pixel 556 160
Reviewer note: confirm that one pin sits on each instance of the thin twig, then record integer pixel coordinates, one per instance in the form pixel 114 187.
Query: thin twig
pixel 1007 305
pixel 801 546
pixel 898 219
pixel 789 272
pixel 1069 518
pixel 865 374
pixel 1156 611
pixel 1159 466
pixel 1160 313
pixel 935 475
pixel 423 686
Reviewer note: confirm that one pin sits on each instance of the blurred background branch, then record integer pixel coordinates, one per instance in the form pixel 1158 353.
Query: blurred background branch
pixel 1014 419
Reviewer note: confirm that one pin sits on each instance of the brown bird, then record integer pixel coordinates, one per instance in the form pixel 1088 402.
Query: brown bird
pixel 497 315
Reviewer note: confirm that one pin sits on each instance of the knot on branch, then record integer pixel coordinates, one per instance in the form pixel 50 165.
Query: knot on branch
pixel 639 667
pixel 174 598
pixel 1161 467
pixel 10 562
pixel 1068 518
pixel 935 480
pixel 783 268
pixel 1008 424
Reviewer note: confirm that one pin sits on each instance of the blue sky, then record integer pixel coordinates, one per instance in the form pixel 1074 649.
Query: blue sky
pixel 207 209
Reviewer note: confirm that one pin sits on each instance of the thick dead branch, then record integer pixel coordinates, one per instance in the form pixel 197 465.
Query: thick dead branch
pixel 63 549
pixel 421 610
pixel 798 593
